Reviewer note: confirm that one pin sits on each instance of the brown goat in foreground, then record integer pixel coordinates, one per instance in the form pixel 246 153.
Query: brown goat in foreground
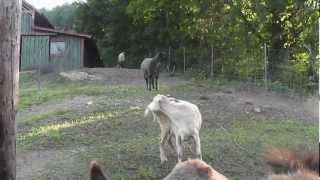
pixel 194 170
pixel 293 164
pixel 188 170
pixel 287 164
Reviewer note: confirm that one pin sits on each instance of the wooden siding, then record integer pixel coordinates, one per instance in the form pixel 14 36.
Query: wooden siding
pixel 72 55
pixel 26 23
pixel 34 52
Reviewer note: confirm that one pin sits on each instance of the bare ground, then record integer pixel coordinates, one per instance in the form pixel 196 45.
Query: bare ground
pixel 35 163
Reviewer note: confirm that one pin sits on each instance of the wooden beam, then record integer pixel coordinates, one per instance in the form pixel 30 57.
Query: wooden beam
pixel 10 17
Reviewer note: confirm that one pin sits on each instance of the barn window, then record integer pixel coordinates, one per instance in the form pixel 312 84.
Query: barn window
pixel 57 48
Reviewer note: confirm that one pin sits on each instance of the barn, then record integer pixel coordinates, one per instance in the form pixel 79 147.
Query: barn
pixel 45 48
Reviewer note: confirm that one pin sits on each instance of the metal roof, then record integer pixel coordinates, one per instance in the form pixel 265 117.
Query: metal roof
pixel 61 32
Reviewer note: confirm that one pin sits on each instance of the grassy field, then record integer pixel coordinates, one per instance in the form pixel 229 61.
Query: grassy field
pixel 106 123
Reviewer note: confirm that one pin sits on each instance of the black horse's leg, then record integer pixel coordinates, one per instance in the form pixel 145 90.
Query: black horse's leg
pixel 156 82
pixel 150 82
pixel 145 75
pixel 146 82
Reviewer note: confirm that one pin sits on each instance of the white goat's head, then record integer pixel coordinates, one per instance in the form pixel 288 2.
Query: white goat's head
pixel 159 103
pixel 156 103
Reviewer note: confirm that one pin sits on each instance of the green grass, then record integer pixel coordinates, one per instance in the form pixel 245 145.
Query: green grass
pixel 220 82
pixel 25 78
pixel 35 119
pixel 53 133
pixel 58 88
pixel 129 146
pixel 126 144
pixel 237 151
pixel 38 119
pixel 34 96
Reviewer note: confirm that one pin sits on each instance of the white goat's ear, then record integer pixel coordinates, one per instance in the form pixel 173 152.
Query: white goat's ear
pixel 161 100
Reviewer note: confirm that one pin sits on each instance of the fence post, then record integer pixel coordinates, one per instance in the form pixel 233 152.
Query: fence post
pixel 211 72
pixel 9 80
pixel 265 66
pixel 184 59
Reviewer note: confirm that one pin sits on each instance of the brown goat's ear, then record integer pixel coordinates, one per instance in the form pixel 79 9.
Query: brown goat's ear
pixel 96 172
pixel 311 162
pixel 207 171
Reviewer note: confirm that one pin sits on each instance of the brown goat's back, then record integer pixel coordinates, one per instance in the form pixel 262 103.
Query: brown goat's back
pixel 293 164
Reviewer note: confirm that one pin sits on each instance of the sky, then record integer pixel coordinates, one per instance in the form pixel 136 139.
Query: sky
pixel 49 4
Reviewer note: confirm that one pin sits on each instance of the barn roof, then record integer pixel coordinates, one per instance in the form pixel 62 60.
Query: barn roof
pixel 38 34
pixel 39 19
pixel 28 6
pixel 42 29
pixel 42 24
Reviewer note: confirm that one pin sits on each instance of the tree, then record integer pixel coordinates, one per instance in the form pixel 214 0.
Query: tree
pixel 62 17
pixel 284 25
pixel 236 30
pixel 10 12
pixel 108 23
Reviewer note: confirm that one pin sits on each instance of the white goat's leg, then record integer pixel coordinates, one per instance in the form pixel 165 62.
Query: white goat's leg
pixel 179 147
pixel 171 138
pixel 198 145
pixel 163 137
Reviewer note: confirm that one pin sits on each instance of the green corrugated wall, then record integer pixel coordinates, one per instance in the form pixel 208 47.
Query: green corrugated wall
pixel 71 58
pixel 34 52
pixel 26 23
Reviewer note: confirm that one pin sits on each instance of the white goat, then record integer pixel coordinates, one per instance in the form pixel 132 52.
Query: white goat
pixel 121 59
pixel 179 118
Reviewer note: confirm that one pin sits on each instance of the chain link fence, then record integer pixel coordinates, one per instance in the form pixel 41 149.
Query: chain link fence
pixel 276 69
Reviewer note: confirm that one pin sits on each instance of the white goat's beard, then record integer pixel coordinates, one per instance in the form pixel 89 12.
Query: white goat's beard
pixel 146 112
pixel 154 109
pixel 153 106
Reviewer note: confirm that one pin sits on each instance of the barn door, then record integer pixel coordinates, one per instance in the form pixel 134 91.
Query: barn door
pixel 34 52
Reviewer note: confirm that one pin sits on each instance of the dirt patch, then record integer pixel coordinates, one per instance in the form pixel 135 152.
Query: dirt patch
pixel 112 76
pixel 257 101
pixel 279 106
pixel 78 75
pixel 78 102
pixel 34 164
